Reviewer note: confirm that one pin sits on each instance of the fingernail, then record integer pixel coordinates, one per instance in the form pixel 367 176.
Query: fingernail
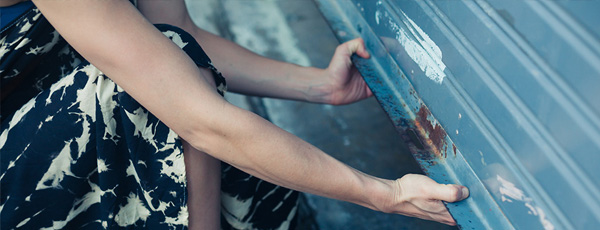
pixel 465 192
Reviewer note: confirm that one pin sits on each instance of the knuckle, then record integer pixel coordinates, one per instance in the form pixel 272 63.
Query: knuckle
pixel 454 192
pixel 340 48
pixel 352 45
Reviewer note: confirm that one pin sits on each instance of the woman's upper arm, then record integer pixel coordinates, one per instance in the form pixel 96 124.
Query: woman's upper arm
pixel 118 40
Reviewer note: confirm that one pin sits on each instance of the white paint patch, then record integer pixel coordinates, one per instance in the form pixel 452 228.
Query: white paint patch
pixel 509 191
pixel 417 44
pixel 482 159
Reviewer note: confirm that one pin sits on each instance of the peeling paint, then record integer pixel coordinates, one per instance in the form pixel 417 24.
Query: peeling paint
pixel 417 44
pixel 482 159
pixel 510 192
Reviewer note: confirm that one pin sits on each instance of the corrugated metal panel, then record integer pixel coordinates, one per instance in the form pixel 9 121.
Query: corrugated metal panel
pixel 501 96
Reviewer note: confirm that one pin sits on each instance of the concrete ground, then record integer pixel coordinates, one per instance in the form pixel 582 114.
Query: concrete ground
pixel 359 135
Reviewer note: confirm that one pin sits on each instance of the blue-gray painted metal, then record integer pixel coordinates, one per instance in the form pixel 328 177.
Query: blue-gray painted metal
pixel 501 96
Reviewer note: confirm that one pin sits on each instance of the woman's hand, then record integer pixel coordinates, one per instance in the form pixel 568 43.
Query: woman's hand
pixel 420 196
pixel 345 82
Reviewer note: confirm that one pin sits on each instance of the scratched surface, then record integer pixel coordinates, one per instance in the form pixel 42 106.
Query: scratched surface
pixel 500 96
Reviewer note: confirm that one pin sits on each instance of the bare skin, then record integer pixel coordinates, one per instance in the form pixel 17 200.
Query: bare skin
pixel 9 2
pixel 164 79
pixel 203 174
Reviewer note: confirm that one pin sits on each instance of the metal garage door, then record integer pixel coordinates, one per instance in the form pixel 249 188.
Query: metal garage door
pixel 500 95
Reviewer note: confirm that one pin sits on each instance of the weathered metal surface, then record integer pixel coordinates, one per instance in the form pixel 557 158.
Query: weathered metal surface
pixel 500 96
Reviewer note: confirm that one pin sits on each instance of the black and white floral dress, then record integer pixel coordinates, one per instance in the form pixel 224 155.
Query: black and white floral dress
pixel 77 152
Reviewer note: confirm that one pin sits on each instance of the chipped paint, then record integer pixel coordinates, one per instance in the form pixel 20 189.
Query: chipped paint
pixel 417 44
pixel 509 193
pixel 482 159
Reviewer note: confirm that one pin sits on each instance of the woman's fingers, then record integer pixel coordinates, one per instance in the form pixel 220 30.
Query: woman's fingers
pixel 422 197
pixel 436 191
pixel 344 51
pixel 357 46
pixel 450 192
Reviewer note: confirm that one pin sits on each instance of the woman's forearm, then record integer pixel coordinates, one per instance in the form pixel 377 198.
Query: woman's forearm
pixel 268 152
pixel 252 74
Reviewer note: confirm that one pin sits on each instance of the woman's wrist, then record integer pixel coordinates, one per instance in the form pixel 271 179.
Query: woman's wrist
pixel 380 194
pixel 315 89
pixel 319 89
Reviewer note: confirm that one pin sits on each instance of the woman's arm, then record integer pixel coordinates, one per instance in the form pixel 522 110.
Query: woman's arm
pixel 163 79
pixel 118 40
pixel 252 74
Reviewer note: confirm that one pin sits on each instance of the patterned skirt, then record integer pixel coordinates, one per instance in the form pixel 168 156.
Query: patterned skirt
pixel 77 152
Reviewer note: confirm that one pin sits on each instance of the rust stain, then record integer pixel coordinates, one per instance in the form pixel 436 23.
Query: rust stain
pixel 445 151
pixel 426 141
pixel 454 149
pixel 436 133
